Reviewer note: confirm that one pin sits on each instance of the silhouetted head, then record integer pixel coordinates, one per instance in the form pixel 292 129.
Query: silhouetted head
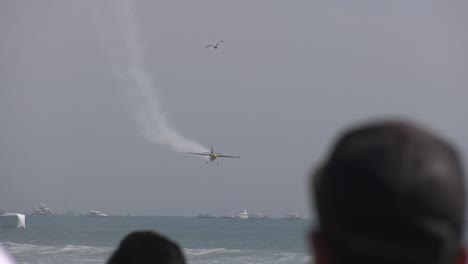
pixel 145 247
pixel 389 192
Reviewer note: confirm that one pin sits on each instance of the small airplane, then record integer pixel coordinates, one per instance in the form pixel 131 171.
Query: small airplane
pixel 212 155
pixel 214 46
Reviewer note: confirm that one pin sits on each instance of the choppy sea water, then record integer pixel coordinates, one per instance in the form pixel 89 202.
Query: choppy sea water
pixel 80 239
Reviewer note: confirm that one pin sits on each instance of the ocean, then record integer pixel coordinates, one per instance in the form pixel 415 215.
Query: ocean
pixel 80 239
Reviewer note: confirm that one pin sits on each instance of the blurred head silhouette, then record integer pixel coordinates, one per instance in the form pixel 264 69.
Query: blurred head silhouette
pixel 389 192
pixel 145 247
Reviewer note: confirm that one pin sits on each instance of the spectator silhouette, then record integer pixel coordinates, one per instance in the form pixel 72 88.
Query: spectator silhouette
pixel 145 247
pixel 389 192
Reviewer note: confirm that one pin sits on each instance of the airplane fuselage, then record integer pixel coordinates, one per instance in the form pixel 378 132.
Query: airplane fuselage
pixel 213 156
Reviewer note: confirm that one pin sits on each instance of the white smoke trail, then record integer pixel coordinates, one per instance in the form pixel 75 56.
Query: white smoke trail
pixel 145 101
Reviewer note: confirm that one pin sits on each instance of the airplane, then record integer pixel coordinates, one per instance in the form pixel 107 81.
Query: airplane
pixel 212 155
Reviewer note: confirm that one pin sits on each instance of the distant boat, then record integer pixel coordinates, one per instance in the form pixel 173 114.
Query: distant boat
pixel 228 216
pixel 258 216
pixel 242 215
pixel 94 213
pixel 41 209
pixel 70 213
pixel 206 215
pixel 293 216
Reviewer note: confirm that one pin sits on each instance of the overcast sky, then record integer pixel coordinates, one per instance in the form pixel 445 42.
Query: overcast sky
pixel 288 77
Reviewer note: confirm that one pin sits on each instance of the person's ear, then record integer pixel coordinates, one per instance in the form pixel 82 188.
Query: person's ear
pixel 462 256
pixel 318 248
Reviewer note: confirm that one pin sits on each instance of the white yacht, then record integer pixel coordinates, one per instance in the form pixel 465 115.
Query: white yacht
pixel 94 213
pixel 41 209
pixel 242 215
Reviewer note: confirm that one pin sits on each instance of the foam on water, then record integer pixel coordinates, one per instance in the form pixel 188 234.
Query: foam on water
pixel 201 252
pixel 222 255
pixel 79 254
pixel 75 254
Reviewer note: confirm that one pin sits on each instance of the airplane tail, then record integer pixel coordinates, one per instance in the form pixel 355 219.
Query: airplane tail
pixel 212 150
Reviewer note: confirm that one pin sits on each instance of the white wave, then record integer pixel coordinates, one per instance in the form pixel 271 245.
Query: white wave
pixel 78 254
pixel 201 252
pixel 56 254
pixel 15 248
pixel 20 248
pixel 86 249
pixel 232 256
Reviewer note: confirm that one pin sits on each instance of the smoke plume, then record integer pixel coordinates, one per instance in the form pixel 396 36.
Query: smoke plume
pixel 144 100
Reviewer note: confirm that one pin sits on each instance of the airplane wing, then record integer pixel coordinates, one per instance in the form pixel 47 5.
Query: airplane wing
pixel 227 156
pixel 201 154
pixel 209 46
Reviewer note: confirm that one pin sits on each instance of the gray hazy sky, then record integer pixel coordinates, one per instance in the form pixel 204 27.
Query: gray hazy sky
pixel 288 77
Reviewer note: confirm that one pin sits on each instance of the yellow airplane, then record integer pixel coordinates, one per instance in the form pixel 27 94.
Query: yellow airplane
pixel 212 155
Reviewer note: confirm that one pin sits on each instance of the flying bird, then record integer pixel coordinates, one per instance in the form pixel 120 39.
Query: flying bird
pixel 214 46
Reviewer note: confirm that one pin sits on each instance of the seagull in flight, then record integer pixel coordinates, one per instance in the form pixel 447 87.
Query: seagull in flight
pixel 214 46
